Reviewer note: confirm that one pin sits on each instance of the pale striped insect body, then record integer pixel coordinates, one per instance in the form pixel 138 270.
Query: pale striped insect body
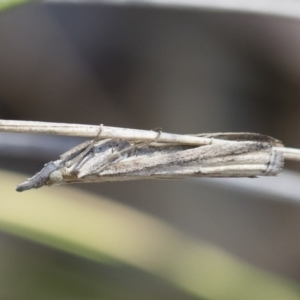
pixel 244 155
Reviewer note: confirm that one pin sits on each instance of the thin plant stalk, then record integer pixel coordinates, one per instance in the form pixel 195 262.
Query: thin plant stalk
pixel 92 131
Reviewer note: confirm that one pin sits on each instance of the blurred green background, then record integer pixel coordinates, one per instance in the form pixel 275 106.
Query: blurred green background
pixel 188 70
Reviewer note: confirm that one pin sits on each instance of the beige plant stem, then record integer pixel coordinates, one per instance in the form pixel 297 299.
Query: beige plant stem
pixel 91 131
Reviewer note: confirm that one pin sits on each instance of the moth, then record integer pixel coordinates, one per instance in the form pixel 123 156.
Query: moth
pixel 240 155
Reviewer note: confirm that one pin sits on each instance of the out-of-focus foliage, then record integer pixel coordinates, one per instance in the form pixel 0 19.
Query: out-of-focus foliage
pixel 6 4
pixel 118 238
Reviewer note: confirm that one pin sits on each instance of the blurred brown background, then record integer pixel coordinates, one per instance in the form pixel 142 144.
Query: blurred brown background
pixel 186 70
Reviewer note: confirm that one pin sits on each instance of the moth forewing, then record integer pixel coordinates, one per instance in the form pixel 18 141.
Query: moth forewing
pixel 121 159
pixel 240 159
pixel 102 155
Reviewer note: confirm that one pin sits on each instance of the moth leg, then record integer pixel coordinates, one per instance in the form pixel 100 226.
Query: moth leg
pixel 159 131
pixel 139 144
pixel 113 157
pixel 118 154
pixel 76 161
pixel 96 139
